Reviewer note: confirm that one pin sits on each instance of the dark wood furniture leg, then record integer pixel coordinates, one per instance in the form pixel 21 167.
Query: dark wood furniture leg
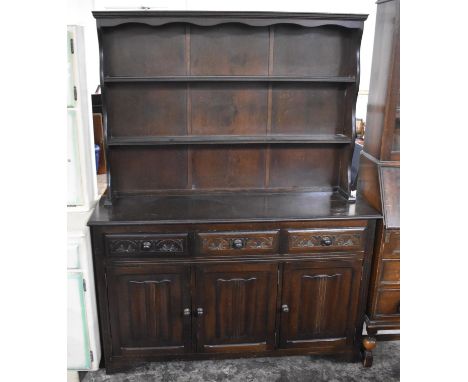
pixel 368 344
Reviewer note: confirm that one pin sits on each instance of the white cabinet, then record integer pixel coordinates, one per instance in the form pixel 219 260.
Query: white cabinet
pixel 81 166
pixel 83 346
pixel 78 350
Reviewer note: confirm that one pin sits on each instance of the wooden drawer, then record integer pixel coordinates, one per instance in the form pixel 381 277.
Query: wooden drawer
pixel 150 245
pixel 234 243
pixel 388 302
pixel 320 239
pixel 391 248
pixel 390 273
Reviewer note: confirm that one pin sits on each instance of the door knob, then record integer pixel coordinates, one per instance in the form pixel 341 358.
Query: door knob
pixel 186 312
pixel 199 312
pixel 285 308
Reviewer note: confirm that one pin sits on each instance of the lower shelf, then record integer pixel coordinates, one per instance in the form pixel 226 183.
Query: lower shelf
pixel 228 139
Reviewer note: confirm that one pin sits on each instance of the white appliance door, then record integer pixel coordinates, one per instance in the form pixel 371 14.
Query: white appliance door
pixel 74 195
pixel 78 349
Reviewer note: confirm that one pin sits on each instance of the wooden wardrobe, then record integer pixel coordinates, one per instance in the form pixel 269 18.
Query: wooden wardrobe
pixel 379 175
pixel 229 228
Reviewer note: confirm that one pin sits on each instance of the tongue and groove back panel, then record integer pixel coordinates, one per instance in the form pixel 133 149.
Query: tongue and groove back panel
pixel 257 105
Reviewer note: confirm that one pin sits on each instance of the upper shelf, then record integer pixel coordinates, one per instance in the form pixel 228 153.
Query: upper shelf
pixel 228 139
pixel 320 79
pixel 210 18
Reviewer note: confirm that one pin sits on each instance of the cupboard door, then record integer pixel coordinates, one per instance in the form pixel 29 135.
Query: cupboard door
pixel 149 309
pixel 318 305
pixel 235 307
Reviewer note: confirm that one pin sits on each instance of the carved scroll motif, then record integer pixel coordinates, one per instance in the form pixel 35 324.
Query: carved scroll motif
pixel 224 244
pixel 151 246
pixel 124 246
pixel 338 240
pixel 169 245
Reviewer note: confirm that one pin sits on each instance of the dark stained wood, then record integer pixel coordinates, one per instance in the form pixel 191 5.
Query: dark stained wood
pixel 368 181
pixel 231 207
pixel 379 173
pixel 384 297
pixel 319 53
pixel 222 109
pixel 390 271
pixel 266 266
pixel 379 184
pixel 146 110
pixel 380 170
pixel 211 18
pixel 331 239
pixel 228 228
pixel 229 139
pixel 152 245
pixel 146 169
pixel 390 180
pixel 147 307
pixel 219 78
pixel 319 302
pixel 304 167
pixel 134 49
pixel 304 109
pixel 385 83
pixel 311 63
pixel 222 50
pixel 237 243
pixel 388 302
pixel 238 303
pixel 368 344
pixel 222 167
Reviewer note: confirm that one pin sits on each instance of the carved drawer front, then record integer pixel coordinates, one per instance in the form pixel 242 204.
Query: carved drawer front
pixel 234 243
pixel 150 245
pixel 388 302
pixel 390 273
pixel 312 240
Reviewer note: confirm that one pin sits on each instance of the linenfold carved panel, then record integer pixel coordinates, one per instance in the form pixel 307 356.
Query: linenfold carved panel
pixel 320 308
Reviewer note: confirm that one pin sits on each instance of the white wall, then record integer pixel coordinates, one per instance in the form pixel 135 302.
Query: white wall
pixel 79 12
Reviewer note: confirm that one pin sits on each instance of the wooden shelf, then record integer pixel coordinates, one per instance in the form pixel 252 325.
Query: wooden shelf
pixel 240 206
pixel 320 79
pixel 226 139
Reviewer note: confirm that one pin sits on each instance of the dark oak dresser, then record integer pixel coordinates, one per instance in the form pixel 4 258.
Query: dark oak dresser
pixel 229 228
pixel 379 175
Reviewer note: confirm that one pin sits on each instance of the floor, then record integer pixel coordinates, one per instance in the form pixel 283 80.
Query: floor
pixel 386 368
